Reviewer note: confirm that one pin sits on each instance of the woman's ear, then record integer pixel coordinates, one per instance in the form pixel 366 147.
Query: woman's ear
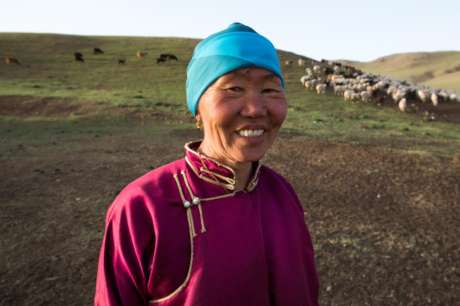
pixel 198 122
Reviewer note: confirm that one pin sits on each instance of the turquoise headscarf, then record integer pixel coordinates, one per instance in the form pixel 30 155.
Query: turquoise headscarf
pixel 236 47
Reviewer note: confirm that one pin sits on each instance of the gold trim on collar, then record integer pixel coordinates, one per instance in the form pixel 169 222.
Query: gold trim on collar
pixel 216 178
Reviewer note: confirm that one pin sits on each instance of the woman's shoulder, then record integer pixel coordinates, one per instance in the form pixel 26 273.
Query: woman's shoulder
pixel 278 186
pixel 155 186
pixel 270 174
pixel 158 176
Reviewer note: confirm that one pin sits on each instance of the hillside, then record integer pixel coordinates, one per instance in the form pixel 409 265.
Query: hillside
pixel 435 69
pixel 49 82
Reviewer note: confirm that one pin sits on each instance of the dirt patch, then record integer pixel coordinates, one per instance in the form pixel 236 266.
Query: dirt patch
pixel 50 107
pixel 24 106
pixel 384 223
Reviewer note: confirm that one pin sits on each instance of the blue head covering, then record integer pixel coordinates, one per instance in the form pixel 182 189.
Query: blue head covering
pixel 236 47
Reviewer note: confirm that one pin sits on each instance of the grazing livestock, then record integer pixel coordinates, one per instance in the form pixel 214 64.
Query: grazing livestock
pixel 121 61
pixel 141 54
pixel 434 99
pixel 161 60
pixel 11 60
pixel 168 56
pixel 79 57
pixel 355 85
pixel 402 105
pixel 321 88
pixel 98 51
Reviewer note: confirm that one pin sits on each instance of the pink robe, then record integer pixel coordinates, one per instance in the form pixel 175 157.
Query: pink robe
pixel 179 235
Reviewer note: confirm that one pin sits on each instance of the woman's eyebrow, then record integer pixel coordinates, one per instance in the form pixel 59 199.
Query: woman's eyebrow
pixel 233 75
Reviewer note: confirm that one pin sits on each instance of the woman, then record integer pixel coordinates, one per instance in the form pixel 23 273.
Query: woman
pixel 216 227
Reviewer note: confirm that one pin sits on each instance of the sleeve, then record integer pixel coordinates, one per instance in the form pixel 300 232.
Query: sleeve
pixel 311 273
pixel 122 273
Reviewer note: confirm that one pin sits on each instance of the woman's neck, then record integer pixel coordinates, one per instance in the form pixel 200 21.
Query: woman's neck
pixel 242 170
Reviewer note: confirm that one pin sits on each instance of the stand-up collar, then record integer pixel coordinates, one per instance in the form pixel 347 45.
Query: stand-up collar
pixel 213 171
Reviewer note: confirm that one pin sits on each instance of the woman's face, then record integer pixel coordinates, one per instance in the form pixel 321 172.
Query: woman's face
pixel 241 113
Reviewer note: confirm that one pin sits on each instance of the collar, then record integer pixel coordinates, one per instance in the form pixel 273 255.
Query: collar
pixel 215 172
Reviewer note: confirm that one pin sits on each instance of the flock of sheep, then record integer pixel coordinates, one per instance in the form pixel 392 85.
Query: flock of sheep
pixel 355 85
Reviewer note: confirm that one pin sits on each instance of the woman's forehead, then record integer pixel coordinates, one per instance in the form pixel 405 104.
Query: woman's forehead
pixel 249 73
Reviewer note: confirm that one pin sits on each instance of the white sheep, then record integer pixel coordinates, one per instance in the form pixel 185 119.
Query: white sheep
pixel 348 95
pixel 402 105
pixel 434 99
pixel 321 88
pixel 317 69
pixel 423 95
pixel 365 96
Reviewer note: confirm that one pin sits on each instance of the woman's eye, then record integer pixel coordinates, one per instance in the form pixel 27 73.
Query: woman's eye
pixel 270 90
pixel 234 89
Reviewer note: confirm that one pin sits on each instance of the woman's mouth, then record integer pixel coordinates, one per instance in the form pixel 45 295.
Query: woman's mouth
pixel 251 133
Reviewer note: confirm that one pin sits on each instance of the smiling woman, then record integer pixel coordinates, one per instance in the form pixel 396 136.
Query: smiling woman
pixel 215 227
pixel 241 114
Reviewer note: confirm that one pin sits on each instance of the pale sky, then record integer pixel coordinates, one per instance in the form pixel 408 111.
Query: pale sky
pixel 331 29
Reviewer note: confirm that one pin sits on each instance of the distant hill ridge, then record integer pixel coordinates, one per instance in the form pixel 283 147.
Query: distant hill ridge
pixel 440 69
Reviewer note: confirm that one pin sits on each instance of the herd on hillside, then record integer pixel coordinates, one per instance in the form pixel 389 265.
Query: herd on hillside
pixel 340 79
pixel 354 85
pixel 79 57
pixel 164 57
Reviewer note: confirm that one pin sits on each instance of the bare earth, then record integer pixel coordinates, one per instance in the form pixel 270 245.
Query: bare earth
pixel 385 224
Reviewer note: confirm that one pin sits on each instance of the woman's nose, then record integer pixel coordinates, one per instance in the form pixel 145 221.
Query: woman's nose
pixel 254 105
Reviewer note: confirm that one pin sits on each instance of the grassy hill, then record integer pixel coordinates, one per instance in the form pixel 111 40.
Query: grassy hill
pixel 49 71
pixel 436 69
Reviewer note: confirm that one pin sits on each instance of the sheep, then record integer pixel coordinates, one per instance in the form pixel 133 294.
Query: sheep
pixel 301 62
pixel 402 105
pixel 310 84
pixel 348 95
pixel 339 90
pixel 317 69
pixel 321 88
pixel 434 99
pixel 304 78
pixel 11 60
pixel 365 96
pixel 423 95
pixel 79 57
pixel 453 97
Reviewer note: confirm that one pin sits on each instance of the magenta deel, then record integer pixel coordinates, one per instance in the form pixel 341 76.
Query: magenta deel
pixel 179 235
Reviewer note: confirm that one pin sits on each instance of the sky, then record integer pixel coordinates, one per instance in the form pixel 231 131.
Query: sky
pixel 349 29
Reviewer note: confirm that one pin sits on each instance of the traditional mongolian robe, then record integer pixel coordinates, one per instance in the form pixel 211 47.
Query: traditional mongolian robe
pixel 180 235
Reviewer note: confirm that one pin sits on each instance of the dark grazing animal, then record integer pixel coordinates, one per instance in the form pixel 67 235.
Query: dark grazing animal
pixel 161 60
pixel 98 51
pixel 11 60
pixel 79 57
pixel 121 61
pixel 168 56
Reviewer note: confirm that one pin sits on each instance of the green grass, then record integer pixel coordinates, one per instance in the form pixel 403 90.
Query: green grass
pixel 49 70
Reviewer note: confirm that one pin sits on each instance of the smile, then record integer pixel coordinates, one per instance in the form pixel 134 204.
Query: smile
pixel 250 133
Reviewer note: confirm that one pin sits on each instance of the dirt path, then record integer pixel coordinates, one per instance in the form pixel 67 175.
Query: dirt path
pixel 385 224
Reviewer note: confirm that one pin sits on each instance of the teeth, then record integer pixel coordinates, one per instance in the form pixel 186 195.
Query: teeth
pixel 250 133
